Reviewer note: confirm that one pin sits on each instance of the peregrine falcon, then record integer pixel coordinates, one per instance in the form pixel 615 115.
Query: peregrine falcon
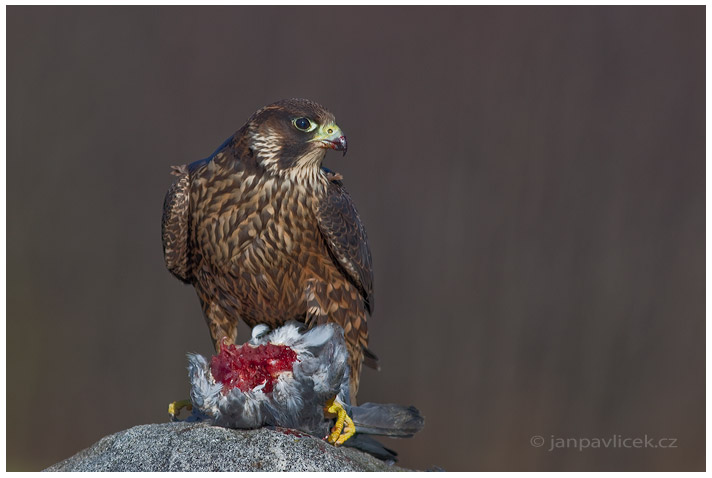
pixel 266 234
pixel 294 379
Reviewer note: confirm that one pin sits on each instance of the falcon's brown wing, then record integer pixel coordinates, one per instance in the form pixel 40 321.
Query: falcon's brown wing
pixel 341 227
pixel 175 226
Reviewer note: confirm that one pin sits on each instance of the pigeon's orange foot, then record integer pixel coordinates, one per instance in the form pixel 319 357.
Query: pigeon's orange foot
pixel 344 427
pixel 174 408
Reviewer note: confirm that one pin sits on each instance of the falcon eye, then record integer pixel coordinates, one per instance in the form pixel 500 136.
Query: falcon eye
pixel 303 124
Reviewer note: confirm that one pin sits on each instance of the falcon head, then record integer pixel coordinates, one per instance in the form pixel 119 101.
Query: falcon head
pixel 292 136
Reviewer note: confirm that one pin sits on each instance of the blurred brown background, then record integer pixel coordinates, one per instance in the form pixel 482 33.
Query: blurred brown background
pixel 532 182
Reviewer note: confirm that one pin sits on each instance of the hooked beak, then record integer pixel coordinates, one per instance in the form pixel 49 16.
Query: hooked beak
pixel 331 137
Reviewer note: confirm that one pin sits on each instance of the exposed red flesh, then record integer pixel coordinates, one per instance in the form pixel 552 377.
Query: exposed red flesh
pixel 247 367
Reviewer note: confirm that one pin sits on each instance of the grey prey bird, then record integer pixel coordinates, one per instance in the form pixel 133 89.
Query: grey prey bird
pixel 296 379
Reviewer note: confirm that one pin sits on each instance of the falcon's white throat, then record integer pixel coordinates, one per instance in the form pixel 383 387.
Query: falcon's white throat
pixel 308 171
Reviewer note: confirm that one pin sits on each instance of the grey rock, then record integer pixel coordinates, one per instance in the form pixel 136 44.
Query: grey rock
pixel 182 446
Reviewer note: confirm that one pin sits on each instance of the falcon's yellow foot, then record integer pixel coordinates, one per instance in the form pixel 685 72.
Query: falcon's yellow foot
pixel 174 408
pixel 344 427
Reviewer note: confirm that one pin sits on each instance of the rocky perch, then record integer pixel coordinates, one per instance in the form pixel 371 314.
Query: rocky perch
pixel 182 446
